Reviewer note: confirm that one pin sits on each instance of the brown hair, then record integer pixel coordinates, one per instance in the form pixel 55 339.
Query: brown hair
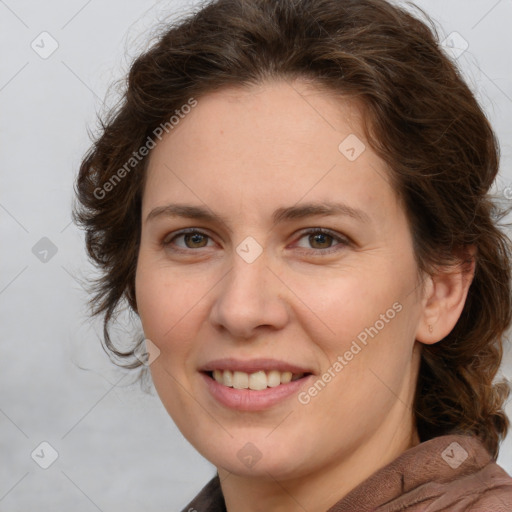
pixel 421 119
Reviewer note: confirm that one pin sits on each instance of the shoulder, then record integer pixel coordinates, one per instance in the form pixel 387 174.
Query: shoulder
pixel 487 489
pixel 452 472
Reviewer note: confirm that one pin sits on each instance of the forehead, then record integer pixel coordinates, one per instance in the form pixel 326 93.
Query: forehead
pixel 294 111
pixel 278 141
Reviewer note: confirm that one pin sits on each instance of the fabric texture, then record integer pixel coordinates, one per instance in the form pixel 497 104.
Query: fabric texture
pixel 453 473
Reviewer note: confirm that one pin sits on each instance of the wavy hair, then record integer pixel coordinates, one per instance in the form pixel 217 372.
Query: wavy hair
pixel 421 118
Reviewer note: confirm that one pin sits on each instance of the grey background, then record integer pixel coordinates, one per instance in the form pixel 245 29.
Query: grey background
pixel 117 448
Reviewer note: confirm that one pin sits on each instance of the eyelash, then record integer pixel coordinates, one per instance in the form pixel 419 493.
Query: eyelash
pixel 342 241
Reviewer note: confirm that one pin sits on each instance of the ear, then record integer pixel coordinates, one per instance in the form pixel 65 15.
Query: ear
pixel 444 297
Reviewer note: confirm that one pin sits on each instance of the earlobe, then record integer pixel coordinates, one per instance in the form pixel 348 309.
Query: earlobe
pixel 444 299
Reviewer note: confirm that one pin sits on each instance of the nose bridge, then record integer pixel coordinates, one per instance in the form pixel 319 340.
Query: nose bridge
pixel 249 295
pixel 246 278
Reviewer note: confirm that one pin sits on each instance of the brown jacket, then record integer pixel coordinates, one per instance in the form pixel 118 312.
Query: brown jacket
pixel 451 473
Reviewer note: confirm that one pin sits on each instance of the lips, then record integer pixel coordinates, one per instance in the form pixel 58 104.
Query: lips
pixel 252 384
pixel 253 365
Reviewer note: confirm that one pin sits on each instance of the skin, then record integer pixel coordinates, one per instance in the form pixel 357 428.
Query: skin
pixel 242 154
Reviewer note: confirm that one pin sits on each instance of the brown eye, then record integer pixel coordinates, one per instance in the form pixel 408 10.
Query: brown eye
pixel 191 239
pixel 194 240
pixel 320 240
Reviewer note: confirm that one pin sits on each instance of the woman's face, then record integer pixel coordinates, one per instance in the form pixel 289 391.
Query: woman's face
pixel 237 287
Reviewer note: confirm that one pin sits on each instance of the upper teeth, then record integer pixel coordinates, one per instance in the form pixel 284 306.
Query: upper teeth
pixel 256 381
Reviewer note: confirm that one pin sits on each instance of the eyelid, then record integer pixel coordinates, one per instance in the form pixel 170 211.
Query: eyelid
pixel 169 238
pixel 342 239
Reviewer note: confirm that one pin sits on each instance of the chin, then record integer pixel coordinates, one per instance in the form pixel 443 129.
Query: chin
pixel 251 453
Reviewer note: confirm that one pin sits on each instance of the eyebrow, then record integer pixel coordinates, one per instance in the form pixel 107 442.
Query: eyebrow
pixel 279 215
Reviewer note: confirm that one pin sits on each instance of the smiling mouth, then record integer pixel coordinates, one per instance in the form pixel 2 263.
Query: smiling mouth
pixel 256 381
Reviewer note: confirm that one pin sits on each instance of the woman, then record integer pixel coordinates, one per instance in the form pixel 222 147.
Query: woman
pixel 293 198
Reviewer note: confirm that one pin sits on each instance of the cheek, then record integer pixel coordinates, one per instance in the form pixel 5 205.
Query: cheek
pixel 161 297
pixel 151 301
pixel 171 308
pixel 158 305
pixel 367 318
pixel 164 318
pixel 342 307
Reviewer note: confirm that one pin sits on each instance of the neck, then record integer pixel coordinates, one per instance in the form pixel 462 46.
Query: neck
pixel 321 489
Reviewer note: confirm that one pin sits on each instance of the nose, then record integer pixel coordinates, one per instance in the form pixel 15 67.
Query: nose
pixel 249 298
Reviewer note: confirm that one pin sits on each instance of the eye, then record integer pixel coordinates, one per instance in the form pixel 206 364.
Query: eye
pixel 322 240
pixel 318 240
pixel 191 238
